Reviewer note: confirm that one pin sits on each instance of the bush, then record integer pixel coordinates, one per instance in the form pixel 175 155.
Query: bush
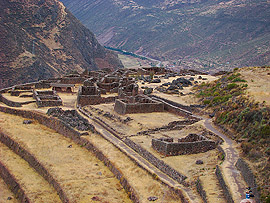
pixel 206 102
pixel 238 80
pixel 231 86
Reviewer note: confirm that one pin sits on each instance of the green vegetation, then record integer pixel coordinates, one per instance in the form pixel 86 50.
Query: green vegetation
pixel 248 119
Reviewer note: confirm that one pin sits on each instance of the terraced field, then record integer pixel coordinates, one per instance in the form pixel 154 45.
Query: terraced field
pixel 79 173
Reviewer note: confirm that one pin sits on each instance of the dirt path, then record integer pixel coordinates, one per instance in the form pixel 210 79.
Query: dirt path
pixel 80 174
pixel 36 188
pixel 233 177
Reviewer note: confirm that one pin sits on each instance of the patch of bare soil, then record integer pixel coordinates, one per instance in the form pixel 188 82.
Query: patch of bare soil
pixel 5 194
pixel 258 83
pixel 80 174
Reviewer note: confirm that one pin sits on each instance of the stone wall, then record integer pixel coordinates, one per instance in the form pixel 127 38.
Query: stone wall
pixel 175 108
pixel 84 100
pixel 47 98
pixel 123 107
pixel 67 131
pixel 9 103
pixel 201 191
pixel 13 185
pixel 248 176
pixel 226 191
pixel 161 165
pixel 184 146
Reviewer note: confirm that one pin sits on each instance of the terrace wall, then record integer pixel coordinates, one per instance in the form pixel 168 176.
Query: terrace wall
pixel 223 185
pixel 161 165
pixel 64 129
pixel 248 177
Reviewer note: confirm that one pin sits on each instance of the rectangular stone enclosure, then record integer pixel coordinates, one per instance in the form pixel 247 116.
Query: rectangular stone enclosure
pixel 137 104
pixel 192 144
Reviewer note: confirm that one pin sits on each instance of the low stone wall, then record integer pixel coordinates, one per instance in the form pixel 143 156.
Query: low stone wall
pixel 175 108
pixel 13 185
pixel 201 191
pixel 168 148
pixel 161 165
pixel 248 176
pixel 223 185
pixel 9 103
pixel 126 108
pixel 187 108
pixel 47 98
pixel 69 132
pixel 85 100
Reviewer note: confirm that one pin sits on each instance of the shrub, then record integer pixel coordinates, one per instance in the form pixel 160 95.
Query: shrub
pixel 238 80
pixel 231 86
pixel 206 102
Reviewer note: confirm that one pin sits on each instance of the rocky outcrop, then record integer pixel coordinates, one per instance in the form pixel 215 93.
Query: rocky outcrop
pixel 42 39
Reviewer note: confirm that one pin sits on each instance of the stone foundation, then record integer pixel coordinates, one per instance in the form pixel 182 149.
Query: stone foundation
pixel 47 98
pixel 137 104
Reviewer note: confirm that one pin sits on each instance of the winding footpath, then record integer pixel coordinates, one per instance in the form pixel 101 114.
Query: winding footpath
pixel 233 177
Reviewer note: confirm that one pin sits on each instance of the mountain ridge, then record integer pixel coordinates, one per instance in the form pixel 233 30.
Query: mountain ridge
pixel 198 33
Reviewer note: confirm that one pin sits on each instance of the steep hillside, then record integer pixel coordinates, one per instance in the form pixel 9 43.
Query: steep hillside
pixel 192 33
pixel 240 102
pixel 41 39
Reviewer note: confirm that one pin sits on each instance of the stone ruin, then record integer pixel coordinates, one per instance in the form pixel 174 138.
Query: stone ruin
pixel 192 144
pixel 47 98
pixel 137 104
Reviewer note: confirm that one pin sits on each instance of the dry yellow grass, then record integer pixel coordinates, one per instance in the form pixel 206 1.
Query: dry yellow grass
pixel 35 186
pixel 140 180
pixel 258 83
pixel 80 174
pixel 5 193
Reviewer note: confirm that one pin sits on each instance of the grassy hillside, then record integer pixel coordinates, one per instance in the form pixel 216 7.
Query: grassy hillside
pixel 247 116
pixel 198 34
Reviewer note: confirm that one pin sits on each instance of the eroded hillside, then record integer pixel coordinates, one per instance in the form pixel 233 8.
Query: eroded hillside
pixel 42 39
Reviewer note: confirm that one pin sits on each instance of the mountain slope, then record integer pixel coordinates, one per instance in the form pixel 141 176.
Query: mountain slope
pixel 41 39
pixel 195 33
